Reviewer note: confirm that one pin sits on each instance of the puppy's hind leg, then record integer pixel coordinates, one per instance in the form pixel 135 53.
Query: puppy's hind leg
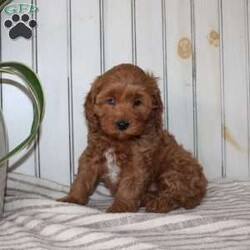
pixel 175 189
pixel 158 200
pixel 159 203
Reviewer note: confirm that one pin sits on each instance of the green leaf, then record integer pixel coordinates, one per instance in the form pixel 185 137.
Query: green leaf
pixel 3 3
pixel 33 86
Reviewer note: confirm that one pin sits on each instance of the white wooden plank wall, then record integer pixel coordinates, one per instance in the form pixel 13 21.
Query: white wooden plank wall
pixel 198 49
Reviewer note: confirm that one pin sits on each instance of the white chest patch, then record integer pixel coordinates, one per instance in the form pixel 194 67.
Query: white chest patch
pixel 113 169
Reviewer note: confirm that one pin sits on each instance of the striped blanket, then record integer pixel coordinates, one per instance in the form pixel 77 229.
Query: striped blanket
pixel 34 220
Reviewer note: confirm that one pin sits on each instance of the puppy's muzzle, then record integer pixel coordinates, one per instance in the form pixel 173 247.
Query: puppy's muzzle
pixel 122 124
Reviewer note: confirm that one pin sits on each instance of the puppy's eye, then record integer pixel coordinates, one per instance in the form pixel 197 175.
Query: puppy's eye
pixel 137 103
pixel 111 101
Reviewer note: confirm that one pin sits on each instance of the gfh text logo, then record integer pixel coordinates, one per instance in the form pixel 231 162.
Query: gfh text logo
pixel 20 23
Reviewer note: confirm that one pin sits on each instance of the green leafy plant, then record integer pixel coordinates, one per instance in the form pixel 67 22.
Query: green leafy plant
pixel 33 86
pixel 3 3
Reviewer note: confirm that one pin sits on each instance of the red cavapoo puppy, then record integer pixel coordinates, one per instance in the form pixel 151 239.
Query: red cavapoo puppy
pixel 128 149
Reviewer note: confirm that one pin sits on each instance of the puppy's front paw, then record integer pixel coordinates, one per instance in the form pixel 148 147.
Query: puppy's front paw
pixel 122 207
pixel 70 198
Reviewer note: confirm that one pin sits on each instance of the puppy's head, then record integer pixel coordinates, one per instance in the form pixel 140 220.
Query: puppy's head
pixel 123 101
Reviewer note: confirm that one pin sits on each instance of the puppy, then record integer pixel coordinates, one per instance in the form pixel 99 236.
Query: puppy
pixel 128 149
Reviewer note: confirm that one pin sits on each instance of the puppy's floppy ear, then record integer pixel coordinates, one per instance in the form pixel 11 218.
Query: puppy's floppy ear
pixel 157 102
pixel 155 91
pixel 158 108
pixel 89 105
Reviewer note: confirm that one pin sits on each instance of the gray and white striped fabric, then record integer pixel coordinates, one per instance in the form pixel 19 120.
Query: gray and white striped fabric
pixel 34 220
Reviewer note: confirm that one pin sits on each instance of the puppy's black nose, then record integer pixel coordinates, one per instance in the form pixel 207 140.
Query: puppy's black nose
pixel 122 124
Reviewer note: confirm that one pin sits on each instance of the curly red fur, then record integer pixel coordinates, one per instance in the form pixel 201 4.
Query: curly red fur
pixel 128 149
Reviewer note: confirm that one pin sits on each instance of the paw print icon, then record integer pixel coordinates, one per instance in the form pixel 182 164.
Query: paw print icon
pixel 20 26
